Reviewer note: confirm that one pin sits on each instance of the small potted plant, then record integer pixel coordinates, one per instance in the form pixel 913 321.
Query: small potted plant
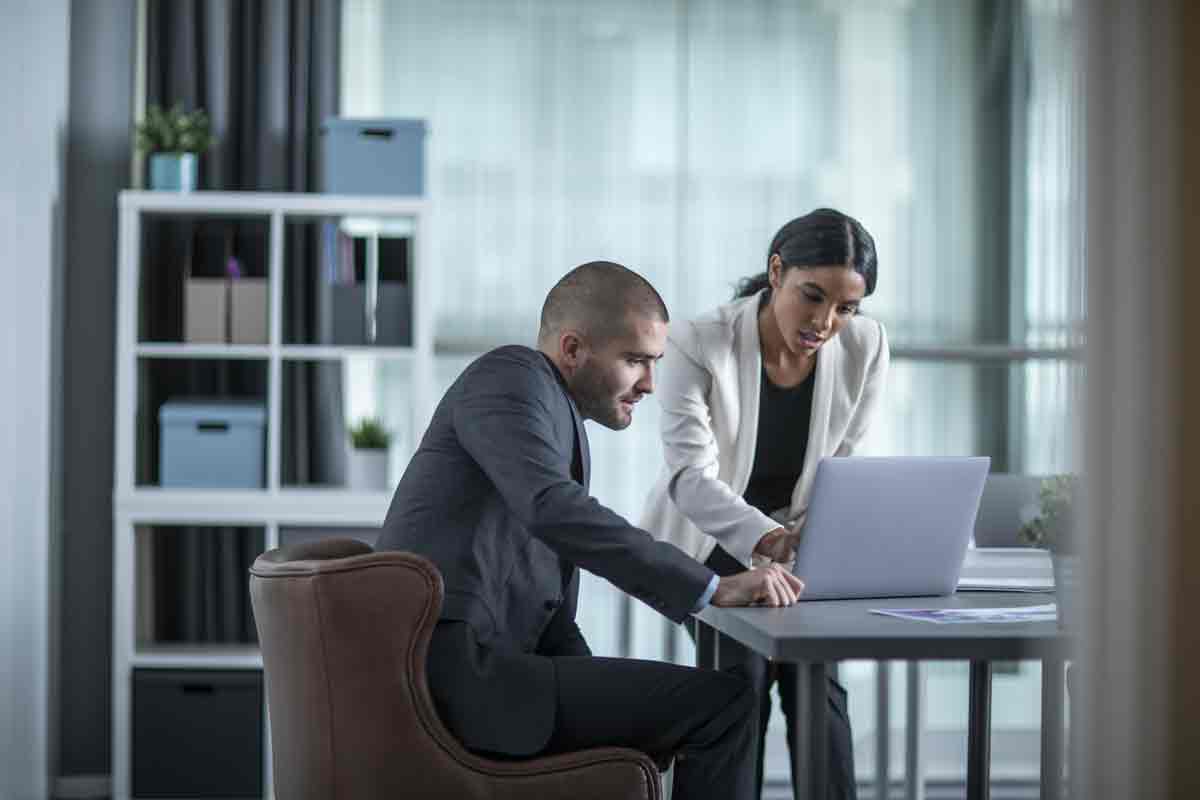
pixel 174 139
pixel 366 464
pixel 1053 528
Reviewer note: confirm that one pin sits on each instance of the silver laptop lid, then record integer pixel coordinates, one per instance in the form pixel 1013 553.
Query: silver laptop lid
pixel 889 527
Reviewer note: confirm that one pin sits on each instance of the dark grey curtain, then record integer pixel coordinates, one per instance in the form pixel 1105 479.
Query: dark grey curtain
pixel 267 74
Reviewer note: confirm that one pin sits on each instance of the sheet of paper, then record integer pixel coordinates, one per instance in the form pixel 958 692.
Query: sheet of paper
pixel 1042 613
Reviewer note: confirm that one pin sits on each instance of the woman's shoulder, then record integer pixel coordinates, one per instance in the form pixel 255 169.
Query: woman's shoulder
pixel 712 332
pixel 864 336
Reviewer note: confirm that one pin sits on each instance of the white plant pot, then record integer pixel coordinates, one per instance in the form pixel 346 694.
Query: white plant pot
pixel 366 470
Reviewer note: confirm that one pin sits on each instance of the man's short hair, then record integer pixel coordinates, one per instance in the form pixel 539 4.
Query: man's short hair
pixel 596 298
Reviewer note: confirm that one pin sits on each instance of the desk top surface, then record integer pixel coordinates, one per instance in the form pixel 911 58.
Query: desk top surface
pixel 832 630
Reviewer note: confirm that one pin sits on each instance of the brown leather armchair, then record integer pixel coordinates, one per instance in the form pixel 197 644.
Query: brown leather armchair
pixel 344 633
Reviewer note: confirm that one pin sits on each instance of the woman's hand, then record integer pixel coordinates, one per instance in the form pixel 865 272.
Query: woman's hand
pixel 778 545
pixel 766 586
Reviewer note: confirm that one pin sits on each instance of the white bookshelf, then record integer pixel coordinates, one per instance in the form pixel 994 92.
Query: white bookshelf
pixel 138 507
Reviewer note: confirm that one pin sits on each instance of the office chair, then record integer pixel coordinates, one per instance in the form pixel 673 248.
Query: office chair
pixel 344 634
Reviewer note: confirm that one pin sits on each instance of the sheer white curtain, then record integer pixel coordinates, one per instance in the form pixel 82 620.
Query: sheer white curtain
pixel 1055 280
pixel 677 137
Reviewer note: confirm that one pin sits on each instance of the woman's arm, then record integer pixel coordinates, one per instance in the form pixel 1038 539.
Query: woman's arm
pixel 872 396
pixel 691 453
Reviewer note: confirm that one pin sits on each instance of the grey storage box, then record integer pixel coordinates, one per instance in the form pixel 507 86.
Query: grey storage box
pixel 289 536
pixel 373 156
pixel 206 443
pixel 393 315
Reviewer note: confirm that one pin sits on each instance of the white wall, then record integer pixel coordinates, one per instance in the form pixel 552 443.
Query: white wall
pixel 34 38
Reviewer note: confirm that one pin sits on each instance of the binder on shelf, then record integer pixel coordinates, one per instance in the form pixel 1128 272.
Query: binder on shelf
pixel 370 294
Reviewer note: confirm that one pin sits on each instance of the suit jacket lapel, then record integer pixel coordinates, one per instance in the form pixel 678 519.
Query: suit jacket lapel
pixel 581 440
pixel 748 377
pixel 585 452
pixel 829 365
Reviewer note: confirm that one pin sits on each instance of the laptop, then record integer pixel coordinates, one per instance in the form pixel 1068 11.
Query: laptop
pixel 888 527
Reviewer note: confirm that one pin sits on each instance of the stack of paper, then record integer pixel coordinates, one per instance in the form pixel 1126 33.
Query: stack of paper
pixel 1006 569
pixel 1045 613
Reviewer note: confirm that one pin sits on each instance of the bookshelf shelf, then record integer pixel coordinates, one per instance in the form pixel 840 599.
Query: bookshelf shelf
pixel 213 351
pixel 196 657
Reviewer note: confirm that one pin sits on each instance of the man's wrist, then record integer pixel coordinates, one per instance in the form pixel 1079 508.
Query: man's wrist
pixel 707 596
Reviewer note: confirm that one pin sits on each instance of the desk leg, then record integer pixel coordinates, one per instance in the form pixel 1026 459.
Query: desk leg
pixel 914 766
pixel 883 728
pixel 979 732
pixel 706 641
pixel 811 760
pixel 1052 728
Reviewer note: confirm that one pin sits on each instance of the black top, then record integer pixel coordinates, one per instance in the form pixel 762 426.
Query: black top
pixel 783 419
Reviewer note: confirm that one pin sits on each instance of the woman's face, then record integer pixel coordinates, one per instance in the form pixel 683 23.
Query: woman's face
pixel 811 304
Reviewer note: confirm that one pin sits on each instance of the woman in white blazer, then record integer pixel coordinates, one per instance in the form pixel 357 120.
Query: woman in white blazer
pixel 753 395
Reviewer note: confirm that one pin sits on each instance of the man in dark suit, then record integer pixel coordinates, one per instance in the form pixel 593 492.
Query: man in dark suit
pixel 497 496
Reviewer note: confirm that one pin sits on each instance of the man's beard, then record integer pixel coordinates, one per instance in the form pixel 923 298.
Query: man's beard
pixel 594 399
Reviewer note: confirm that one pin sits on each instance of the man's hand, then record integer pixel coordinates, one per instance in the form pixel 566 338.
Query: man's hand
pixel 768 586
pixel 778 545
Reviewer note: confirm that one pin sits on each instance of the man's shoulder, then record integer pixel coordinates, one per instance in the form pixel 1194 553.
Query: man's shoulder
pixel 512 370
pixel 513 359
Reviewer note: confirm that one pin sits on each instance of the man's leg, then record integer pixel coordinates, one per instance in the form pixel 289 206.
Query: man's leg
pixel 705 718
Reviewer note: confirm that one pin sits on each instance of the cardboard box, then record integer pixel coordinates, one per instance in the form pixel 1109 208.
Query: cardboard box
pixel 248 311
pixel 205 307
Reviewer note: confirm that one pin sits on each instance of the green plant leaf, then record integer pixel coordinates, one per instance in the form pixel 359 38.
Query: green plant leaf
pixel 370 434
pixel 174 131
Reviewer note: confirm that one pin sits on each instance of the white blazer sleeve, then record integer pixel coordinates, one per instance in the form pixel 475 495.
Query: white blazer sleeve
pixel 872 396
pixel 691 452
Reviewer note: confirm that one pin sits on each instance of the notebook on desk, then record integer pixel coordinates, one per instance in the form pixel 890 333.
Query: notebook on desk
pixel 1006 569
pixel 888 527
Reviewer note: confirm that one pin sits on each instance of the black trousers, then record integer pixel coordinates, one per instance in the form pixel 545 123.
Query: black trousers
pixel 762 674
pixel 705 719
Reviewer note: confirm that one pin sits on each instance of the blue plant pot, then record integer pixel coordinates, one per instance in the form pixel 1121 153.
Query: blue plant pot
pixel 174 172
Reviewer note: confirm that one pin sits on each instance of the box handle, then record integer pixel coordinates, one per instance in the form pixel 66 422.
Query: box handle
pixel 197 688
pixel 212 427
pixel 376 133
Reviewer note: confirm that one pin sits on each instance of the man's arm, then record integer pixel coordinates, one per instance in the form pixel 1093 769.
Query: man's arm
pixel 505 422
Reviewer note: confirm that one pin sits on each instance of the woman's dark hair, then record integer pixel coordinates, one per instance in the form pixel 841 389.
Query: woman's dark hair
pixel 821 238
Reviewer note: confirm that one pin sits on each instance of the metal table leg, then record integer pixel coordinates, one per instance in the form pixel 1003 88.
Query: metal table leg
pixel 1052 728
pixel 978 731
pixel 706 641
pixel 883 728
pixel 914 766
pixel 811 759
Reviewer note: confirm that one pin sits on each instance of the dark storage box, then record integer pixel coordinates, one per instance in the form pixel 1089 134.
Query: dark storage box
pixel 197 733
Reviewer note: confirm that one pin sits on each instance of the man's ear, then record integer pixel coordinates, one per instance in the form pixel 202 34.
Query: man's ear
pixel 571 348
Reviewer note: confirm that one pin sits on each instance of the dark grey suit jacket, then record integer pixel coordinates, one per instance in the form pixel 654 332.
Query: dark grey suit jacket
pixel 496 496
